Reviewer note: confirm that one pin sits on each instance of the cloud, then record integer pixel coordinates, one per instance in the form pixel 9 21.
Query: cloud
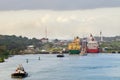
pixel 57 4
pixel 60 24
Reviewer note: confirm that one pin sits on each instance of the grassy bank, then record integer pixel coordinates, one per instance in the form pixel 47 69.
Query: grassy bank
pixel 1 60
pixel 4 56
pixel 110 47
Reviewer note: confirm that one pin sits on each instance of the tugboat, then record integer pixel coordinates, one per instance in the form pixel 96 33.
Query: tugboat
pixel 83 52
pixel 19 73
pixel 83 47
pixel 74 47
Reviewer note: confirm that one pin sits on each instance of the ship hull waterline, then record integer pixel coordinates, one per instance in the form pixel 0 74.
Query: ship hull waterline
pixel 92 50
pixel 74 52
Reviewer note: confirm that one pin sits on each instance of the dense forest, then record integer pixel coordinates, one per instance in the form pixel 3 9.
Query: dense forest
pixel 14 44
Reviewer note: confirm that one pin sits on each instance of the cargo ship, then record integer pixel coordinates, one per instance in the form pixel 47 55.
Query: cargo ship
pixel 74 47
pixel 92 45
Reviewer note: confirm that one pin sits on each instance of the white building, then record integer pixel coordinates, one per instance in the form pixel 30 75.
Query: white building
pixel 44 40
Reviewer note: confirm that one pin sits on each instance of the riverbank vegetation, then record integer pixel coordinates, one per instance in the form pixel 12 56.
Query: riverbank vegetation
pixel 13 45
pixel 111 47
pixel 3 53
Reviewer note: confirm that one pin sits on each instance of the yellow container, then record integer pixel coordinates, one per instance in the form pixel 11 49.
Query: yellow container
pixel 78 47
pixel 70 47
pixel 75 45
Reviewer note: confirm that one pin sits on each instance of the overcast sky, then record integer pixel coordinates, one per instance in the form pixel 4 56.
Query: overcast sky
pixel 57 4
pixel 63 18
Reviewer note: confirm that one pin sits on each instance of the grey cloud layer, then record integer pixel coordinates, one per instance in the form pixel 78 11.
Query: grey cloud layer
pixel 57 4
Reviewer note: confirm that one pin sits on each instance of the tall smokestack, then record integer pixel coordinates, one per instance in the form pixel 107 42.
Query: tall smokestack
pixel 101 37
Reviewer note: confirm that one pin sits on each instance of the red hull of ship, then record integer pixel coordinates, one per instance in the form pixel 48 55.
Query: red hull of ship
pixel 92 50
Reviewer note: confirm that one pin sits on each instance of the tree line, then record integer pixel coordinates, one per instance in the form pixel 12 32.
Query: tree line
pixel 13 44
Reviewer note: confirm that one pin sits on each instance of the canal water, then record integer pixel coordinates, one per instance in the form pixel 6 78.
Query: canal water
pixel 71 67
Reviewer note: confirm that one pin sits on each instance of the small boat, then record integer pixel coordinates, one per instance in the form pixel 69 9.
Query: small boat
pixel 19 73
pixel 60 55
pixel 83 52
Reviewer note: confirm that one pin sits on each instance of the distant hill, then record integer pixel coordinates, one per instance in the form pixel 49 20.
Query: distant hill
pixel 108 39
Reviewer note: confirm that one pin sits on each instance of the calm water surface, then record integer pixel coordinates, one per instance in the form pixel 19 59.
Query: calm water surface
pixel 71 67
